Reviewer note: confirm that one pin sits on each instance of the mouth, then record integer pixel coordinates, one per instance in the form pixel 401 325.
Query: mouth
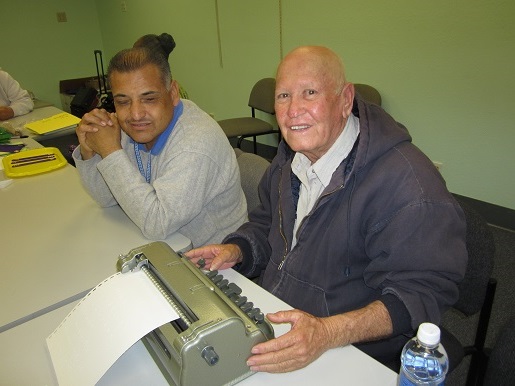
pixel 139 125
pixel 299 127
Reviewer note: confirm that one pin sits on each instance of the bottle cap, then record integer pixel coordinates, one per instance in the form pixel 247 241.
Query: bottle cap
pixel 428 334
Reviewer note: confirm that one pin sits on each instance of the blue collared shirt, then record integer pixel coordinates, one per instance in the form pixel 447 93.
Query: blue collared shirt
pixel 163 137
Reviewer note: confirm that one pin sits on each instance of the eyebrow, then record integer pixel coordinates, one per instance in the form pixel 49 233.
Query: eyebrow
pixel 147 93
pixel 150 93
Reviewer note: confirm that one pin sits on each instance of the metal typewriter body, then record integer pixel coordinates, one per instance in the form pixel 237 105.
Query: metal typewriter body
pixel 212 340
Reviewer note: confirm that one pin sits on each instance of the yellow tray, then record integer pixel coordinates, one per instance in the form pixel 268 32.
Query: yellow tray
pixel 31 162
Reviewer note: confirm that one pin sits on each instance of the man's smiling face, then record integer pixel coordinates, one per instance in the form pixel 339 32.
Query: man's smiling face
pixel 312 104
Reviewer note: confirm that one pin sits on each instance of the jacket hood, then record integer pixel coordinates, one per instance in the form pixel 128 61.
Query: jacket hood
pixel 379 132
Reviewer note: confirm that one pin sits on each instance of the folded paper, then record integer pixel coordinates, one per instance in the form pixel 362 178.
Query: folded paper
pixel 56 122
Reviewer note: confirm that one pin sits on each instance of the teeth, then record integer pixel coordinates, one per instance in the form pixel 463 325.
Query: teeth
pixel 299 127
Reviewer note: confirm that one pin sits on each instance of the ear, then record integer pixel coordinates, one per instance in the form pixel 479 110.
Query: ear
pixel 348 99
pixel 174 92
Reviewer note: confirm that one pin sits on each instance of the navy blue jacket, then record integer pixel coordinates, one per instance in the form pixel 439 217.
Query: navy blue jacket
pixel 386 228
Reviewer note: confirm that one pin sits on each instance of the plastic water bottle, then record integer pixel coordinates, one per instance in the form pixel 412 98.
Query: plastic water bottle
pixel 423 359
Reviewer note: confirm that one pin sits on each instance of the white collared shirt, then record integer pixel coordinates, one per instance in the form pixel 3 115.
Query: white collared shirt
pixel 315 177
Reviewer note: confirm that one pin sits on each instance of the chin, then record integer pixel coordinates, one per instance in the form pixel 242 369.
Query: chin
pixel 299 145
pixel 140 136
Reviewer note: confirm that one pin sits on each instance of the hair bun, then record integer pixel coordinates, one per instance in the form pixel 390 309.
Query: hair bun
pixel 167 42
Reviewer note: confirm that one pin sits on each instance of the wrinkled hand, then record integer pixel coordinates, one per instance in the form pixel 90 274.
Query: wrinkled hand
pixel 308 338
pixel 98 133
pixel 216 256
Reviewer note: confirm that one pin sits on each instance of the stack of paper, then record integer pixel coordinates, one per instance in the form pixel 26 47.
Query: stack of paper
pixel 56 122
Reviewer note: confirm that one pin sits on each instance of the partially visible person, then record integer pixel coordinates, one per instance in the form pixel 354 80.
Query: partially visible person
pixel 14 100
pixel 166 162
pixel 164 44
pixel 356 230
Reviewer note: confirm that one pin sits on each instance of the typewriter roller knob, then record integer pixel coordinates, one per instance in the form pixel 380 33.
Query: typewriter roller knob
pixel 210 356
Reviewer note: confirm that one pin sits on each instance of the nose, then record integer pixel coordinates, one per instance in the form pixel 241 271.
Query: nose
pixel 137 111
pixel 295 107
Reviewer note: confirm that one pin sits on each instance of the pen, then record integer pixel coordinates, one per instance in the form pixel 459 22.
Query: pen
pixel 32 158
pixel 15 165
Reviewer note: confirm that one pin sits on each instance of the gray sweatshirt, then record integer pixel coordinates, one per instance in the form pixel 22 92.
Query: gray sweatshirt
pixel 195 184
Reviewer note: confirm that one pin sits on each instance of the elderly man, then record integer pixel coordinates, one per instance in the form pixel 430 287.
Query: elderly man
pixel 356 230
pixel 162 159
pixel 14 100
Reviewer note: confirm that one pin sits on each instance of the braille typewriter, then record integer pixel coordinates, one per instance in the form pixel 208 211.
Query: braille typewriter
pixel 211 341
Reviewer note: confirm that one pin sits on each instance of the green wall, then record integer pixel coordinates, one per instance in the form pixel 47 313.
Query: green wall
pixel 39 52
pixel 444 68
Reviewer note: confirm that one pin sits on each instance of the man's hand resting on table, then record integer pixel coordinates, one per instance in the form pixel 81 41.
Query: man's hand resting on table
pixel 309 336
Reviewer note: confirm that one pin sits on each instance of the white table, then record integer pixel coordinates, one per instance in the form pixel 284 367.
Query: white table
pixel 26 360
pixel 57 243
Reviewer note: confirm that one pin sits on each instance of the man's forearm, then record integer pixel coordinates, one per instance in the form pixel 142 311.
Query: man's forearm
pixel 369 323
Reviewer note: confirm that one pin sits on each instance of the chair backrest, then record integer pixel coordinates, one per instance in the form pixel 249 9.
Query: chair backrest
pixel 368 93
pixel 262 96
pixel 481 251
pixel 501 362
pixel 252 168
pixel 476 294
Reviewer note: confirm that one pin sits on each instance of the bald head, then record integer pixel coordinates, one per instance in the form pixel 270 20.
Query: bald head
pixel 317 60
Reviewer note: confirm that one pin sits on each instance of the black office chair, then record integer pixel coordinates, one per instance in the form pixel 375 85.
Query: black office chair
pixel 368 93
pixel 262 97
pixel 477 291
pixel 500 369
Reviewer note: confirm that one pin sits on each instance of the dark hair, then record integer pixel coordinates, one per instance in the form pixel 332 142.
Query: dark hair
pixel 163 43
pixel 133 59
